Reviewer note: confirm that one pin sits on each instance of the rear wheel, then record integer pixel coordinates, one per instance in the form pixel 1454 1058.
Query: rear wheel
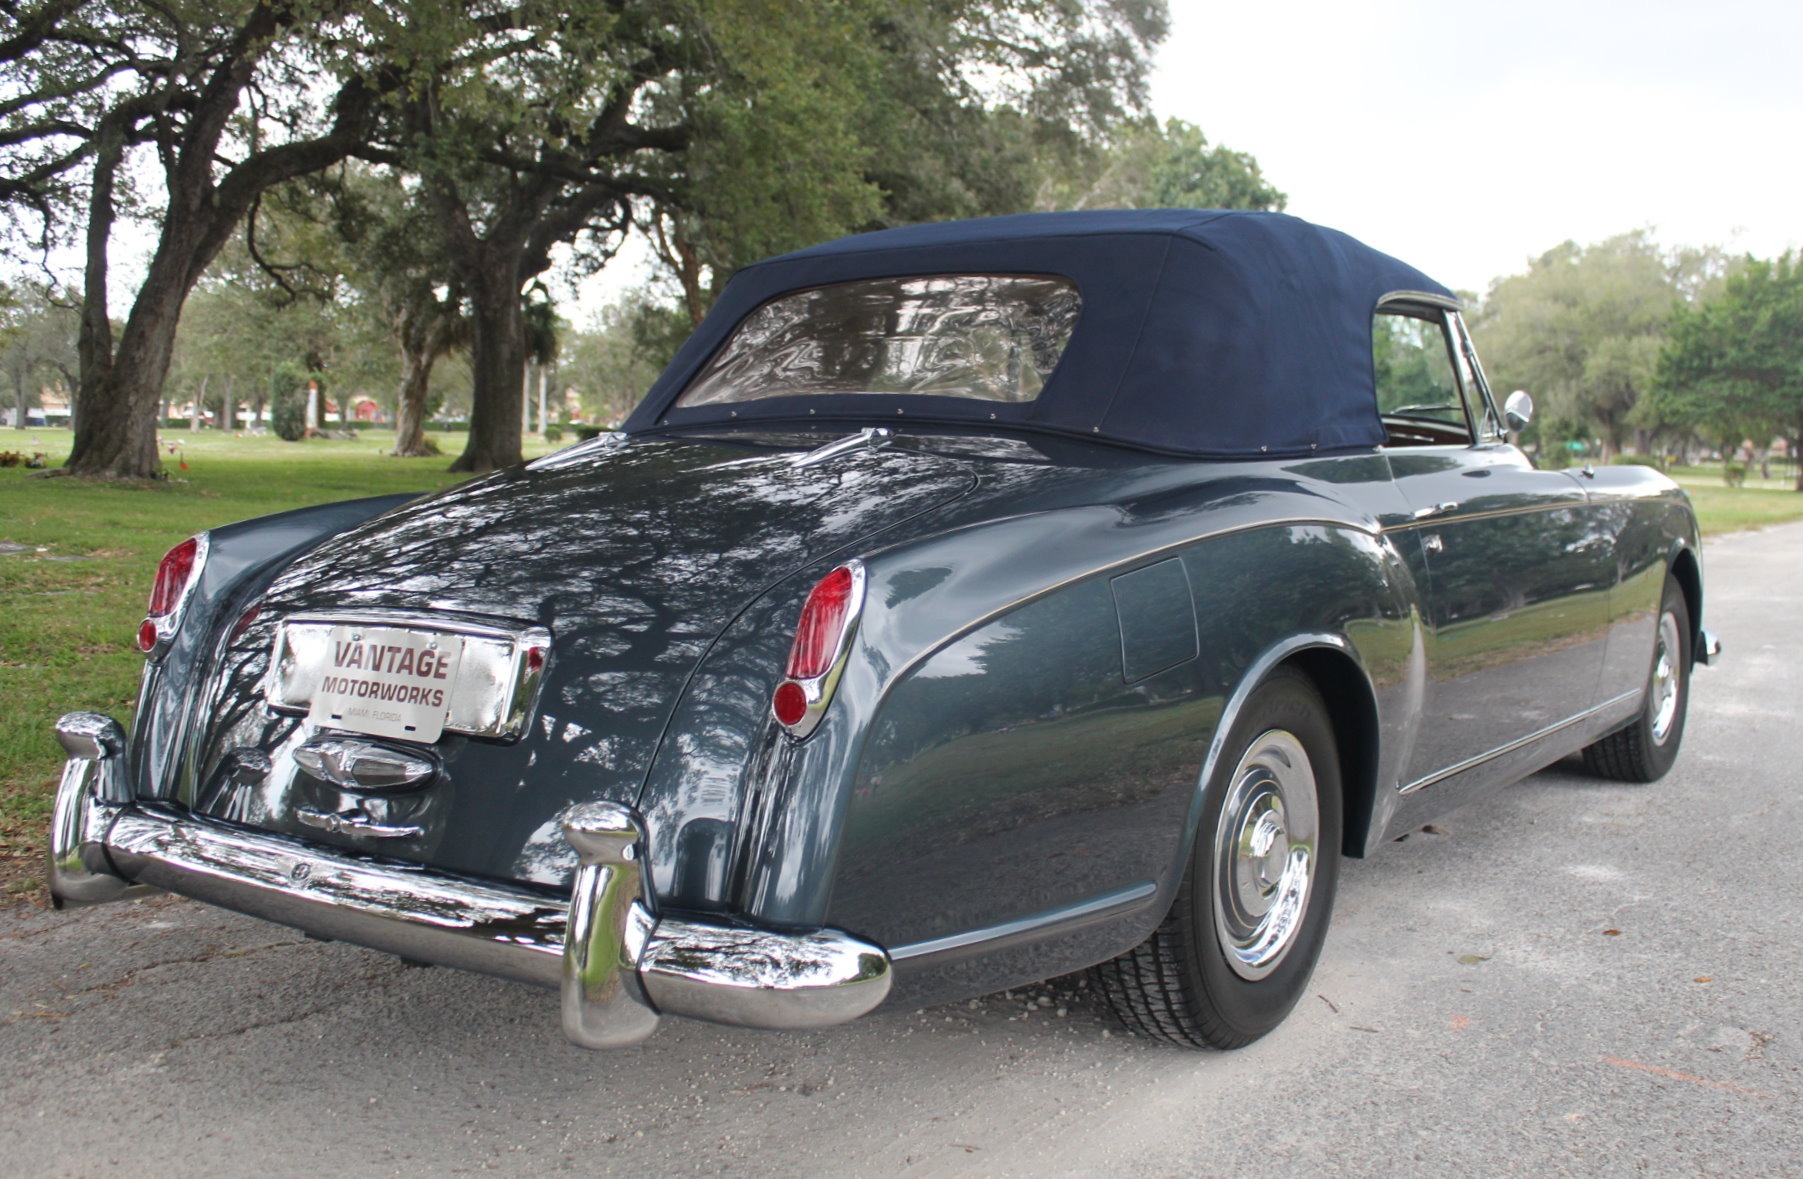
pixel 1236 950
pixel 1646 748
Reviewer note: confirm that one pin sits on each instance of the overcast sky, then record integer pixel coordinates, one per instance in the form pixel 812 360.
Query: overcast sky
pixel 1468 138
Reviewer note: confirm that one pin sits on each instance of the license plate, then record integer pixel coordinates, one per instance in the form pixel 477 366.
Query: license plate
pixel 387 682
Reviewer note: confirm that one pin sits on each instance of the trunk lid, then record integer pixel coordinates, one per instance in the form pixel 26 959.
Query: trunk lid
pixel 633 559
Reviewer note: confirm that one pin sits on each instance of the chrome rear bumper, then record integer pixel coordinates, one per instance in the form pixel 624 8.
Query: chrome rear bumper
pixel 619 965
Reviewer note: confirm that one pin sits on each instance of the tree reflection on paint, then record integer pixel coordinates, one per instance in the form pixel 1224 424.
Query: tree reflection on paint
pixel 635 558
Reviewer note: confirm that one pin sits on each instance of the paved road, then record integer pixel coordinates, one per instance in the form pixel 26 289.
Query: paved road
pixel 1572 977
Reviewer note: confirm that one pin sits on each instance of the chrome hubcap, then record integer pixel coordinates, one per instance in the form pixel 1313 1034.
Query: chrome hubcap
pixel 1666 681
pixel 1265 854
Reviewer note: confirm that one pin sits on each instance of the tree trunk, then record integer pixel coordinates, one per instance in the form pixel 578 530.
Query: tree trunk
pixel 197 405
pixel 227 411
pixel 116 434
pixel 682 257
pixel 19 390
pixel 109 442
pixel 497 360
pixel 424 331
pixel 694 299
pixel 410 406
pixel 115 431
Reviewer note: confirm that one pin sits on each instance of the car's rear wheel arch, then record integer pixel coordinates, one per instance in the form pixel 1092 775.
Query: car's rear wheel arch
pixel 1352 709
pixel 1328 663
pixel 1685 571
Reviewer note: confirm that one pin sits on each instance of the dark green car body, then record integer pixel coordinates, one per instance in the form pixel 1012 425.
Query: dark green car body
pixel 1056 633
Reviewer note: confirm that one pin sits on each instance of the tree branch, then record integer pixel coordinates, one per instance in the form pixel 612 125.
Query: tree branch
pixel 571 216
pixel 35 29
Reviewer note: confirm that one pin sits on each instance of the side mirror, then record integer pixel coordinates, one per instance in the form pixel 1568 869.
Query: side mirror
pixel 1518 411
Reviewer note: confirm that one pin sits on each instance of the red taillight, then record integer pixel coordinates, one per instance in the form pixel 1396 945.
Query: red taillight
pixel 822 624
pixel 821 640
pixel 173 573
pixel 790 703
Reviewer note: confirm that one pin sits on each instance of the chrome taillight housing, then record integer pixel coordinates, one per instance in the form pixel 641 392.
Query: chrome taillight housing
pixel 177 574
pixel 829 620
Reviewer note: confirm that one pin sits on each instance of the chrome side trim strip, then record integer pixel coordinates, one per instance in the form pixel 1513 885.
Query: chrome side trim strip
pixel 1519 743
pixel 1440 515
pixel 1123 564
pixel 1104 905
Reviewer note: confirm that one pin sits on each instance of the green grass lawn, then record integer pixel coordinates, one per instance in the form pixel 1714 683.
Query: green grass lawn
pixel 76 562
pixel 78 559
pixel 1721 508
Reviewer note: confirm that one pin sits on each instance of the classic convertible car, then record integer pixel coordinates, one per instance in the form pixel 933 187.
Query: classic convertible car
pixel 967 604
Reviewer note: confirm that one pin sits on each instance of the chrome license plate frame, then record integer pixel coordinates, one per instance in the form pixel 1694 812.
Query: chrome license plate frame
pixel 491 693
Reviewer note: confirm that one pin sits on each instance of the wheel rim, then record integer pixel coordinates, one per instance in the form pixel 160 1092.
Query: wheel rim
pixel 1264 854
pixel 1668 684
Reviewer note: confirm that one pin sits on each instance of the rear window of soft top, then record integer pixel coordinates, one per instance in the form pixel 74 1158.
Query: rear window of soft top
pixel 984 337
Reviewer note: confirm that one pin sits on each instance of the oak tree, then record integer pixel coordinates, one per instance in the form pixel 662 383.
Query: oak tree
pixel 1735 360
pixel 220 101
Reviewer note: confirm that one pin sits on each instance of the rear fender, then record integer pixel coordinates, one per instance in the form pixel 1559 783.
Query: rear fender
pixel 743 819
pixel 1088 763
pixel 241 560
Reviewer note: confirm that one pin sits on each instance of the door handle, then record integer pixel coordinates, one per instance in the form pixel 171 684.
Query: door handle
pixel 1441 509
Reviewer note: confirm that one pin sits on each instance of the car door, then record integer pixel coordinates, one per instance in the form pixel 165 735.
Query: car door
pixel 1514 563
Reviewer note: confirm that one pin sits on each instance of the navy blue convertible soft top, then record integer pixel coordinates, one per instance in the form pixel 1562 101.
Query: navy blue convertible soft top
pixel 1202 332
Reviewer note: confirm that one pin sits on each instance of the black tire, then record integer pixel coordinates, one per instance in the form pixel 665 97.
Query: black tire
pixel 1645 748
pixel 1206 978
